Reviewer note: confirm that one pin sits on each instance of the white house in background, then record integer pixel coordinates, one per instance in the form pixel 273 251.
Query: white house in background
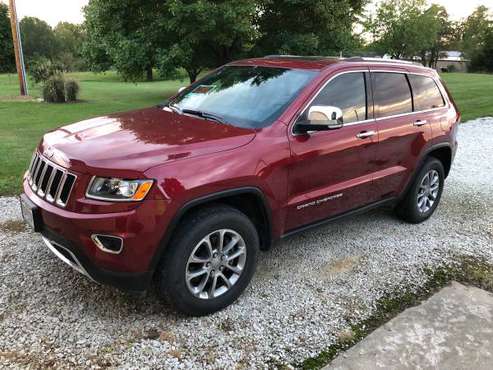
pixel 450 61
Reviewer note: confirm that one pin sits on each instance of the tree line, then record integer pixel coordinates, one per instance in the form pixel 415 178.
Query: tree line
pixel 412 29
pixel 40 41
pixel 139 37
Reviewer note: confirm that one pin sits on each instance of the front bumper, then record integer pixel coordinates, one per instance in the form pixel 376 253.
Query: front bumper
pixel 72 256
pixel 68 235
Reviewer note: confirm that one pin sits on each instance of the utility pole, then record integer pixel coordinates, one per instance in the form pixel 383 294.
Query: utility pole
pixel 19 55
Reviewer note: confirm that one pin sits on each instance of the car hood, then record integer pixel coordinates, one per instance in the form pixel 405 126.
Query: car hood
pixel 139 140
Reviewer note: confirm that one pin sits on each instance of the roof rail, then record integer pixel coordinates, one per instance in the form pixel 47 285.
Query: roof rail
pixel 350 59
pixel 315 57
pixel 380 60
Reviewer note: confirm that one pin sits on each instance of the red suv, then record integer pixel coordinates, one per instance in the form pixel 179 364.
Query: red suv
pixel 259 149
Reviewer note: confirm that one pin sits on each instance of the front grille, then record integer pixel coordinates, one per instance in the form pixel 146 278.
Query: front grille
pixel 50 181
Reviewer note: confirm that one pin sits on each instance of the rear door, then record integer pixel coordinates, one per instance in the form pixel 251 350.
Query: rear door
pixel 331 171
pixel 429 103
pixel 403 133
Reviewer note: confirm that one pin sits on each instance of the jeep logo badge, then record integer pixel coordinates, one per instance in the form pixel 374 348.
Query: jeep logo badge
pixel 49 152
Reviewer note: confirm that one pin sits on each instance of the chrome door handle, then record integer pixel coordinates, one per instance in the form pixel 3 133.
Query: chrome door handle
pixel 365 134
pixel 419 123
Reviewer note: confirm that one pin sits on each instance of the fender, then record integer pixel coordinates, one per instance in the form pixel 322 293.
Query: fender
pixel 421 160
pixel 209 198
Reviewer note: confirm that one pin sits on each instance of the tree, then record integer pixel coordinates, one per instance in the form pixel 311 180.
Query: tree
pixel 307 27
pixel 475 30
pixel 436 21
pixel 398 28
pixel 38 39
pixel 136 36
pixel 483 60
pixel 7 59
pixel 207 34
pixel 126 33
pixel 70 38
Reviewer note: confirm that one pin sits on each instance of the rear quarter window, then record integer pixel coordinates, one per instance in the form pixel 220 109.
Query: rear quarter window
pixel 426 93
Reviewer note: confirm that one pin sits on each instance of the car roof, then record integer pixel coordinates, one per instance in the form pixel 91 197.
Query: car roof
pixel 320 62
pixel 290 61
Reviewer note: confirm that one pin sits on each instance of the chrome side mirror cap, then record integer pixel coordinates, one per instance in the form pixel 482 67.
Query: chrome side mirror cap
pixel 326 115
pixel 320 118
pixel 181 89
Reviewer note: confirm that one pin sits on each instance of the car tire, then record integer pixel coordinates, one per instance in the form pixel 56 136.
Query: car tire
pixel 423 197
pixel 190 265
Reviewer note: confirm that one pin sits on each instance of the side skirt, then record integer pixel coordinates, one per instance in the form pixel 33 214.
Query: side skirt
pixel 340 216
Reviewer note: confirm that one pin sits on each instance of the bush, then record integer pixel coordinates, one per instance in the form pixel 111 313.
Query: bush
pixel 43 69
pixel 54 90
pixel 451 68
pixel 72 89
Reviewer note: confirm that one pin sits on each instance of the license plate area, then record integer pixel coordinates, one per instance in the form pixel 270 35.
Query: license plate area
pixel 31 214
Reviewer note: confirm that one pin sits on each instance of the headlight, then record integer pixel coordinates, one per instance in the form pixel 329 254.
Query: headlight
pixel 118 190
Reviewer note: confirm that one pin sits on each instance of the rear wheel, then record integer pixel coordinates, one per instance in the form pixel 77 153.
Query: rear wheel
pixel 210 260
pixel 424 195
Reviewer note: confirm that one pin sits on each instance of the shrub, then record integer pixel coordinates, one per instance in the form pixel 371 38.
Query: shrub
pixel 54 90
pixel 43 69
pixel 72 89
pixel 451 68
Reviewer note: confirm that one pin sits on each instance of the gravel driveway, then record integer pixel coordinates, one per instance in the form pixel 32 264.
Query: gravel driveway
pixel 307 289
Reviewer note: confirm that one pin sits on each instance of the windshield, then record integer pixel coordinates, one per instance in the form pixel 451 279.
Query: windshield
pixel 250 97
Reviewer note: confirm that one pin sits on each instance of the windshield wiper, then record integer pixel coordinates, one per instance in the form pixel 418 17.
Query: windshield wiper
pixel 175 108
pixel 170 105
pixel 194 112
pixel 206 115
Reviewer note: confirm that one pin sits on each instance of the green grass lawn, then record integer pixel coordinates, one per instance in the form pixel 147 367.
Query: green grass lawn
pixel 472 92
pixel 23 123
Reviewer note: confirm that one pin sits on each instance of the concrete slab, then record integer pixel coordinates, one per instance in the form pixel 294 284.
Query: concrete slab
pixel 451 330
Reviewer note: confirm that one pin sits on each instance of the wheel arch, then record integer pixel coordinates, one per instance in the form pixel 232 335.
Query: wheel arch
pixel 249 200
pixel 444 154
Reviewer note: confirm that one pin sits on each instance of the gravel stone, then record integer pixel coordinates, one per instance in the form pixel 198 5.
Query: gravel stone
pixel 308 289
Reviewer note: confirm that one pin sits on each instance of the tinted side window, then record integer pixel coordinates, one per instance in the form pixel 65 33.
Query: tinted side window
pixel 347 92
pixel 392 94
pixel 425 92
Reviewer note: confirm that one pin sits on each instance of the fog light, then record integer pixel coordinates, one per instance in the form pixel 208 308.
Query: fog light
pixel 108 243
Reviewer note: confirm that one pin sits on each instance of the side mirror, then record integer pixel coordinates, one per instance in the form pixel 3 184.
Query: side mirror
pixel 321 118
pixel 181 89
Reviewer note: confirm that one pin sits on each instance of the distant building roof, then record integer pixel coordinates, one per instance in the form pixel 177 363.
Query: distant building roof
pixel 452 56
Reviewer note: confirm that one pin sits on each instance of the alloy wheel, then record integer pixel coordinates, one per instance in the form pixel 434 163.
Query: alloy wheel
pixel 216 264
pixel 428 191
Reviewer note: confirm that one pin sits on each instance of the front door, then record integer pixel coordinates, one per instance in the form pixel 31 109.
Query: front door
pixel 331 171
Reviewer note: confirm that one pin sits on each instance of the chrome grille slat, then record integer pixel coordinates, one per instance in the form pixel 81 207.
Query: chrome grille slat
pixel 31 169
pixel 39 181
pixel 65 189
pixel 45 178
pixel 38 174
pixel 49 181
pixel 60 187
pixel 35 173
pixel 32 163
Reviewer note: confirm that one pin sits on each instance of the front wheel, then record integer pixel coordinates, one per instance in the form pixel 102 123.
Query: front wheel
pixel 210 260
pixel 424 195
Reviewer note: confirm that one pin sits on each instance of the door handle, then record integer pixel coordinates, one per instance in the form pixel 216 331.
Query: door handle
pixel 365 134
pixel 419 123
